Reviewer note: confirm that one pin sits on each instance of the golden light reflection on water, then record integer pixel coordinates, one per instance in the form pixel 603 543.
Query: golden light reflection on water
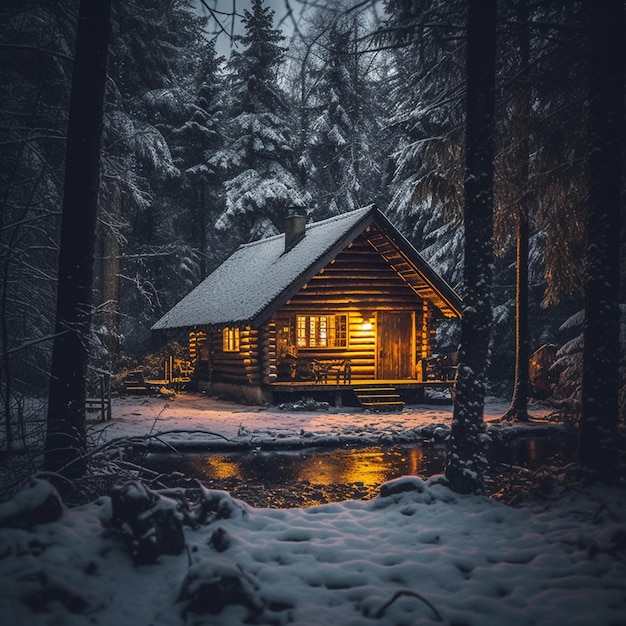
pixel 284 479
pixel 218 467
pixel 416 461
pixel 369 466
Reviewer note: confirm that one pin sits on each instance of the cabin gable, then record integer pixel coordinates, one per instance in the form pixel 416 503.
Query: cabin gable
pixel 354 289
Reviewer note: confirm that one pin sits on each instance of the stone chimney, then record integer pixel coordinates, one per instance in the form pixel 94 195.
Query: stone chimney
pixel 294 228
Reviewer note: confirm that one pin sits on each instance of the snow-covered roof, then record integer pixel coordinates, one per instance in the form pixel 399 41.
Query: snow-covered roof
pixel 261 273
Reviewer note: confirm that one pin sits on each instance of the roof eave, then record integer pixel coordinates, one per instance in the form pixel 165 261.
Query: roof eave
pixel 445 291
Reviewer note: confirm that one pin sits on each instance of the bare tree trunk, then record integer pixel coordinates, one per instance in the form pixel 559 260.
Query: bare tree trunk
pixel 466 463
pixel 600 379
pixel 518 411
pixel 65 437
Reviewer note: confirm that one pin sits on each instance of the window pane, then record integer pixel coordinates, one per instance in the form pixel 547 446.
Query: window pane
pixel 230 339
pixel 323 331
pixel 312 332
pixel 301 331
pixel 341 331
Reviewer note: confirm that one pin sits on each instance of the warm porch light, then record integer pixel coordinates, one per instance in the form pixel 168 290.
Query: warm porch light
pixel 368 321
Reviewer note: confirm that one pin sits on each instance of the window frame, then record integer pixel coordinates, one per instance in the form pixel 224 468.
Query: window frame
pixel 333 325
pixel 231 339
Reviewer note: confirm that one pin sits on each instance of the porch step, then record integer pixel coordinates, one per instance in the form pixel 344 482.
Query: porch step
pixel 379 398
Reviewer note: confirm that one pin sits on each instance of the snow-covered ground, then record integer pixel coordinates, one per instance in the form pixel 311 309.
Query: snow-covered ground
pixel 417 554
pixel 217 423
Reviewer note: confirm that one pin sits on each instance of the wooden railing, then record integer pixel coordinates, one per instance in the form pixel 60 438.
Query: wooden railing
pixel 102 401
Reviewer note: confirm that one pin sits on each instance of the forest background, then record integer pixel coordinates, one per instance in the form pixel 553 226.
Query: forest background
pixel 365 103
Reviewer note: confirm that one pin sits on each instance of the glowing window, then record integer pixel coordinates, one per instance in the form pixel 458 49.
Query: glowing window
pixel 322 331
pixel 230 339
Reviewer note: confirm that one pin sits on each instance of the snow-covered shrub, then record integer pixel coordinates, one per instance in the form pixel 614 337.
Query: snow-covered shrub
pixel 149 523
pixel 305 404
pixel 213 505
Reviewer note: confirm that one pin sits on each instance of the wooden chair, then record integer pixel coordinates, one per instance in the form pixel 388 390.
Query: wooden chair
pixel 321 370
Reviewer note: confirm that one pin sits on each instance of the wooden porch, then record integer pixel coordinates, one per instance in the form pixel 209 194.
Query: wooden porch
pixel 382 395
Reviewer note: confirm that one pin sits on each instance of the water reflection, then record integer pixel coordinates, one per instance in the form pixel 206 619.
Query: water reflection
pixel 220 467
pixel 364 466
pixel 534 452
pixel 529 453
pixel 314 476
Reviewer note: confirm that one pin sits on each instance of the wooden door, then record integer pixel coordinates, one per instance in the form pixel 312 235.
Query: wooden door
pixel 395 345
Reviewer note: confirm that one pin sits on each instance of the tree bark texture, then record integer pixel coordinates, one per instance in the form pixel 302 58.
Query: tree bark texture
pixel 65 438
pixel 466 462
pixel 600 378
pixel 518 411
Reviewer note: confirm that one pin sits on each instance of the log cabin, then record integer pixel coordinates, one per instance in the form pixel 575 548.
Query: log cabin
pixel 342 309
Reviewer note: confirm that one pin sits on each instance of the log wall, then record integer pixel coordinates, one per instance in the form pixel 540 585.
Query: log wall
pixel 234 367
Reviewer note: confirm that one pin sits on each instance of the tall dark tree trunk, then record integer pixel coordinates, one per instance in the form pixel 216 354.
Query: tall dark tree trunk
pixel 65 438
pixel 600 378
pixel 466 463
pixel 111 282
pixel 518 411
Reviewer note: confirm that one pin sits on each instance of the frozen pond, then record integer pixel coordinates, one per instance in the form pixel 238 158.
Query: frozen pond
pixel 314 476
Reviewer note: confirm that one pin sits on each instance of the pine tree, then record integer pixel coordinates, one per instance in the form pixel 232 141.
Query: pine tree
pixel 559 165
pixel 196 141
pixel 342 146
pixel 260 186
pixel 427 118
pixel 556 191
pixel 155 55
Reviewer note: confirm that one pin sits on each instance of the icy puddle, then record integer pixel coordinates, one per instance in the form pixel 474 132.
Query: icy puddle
pixel 284 479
